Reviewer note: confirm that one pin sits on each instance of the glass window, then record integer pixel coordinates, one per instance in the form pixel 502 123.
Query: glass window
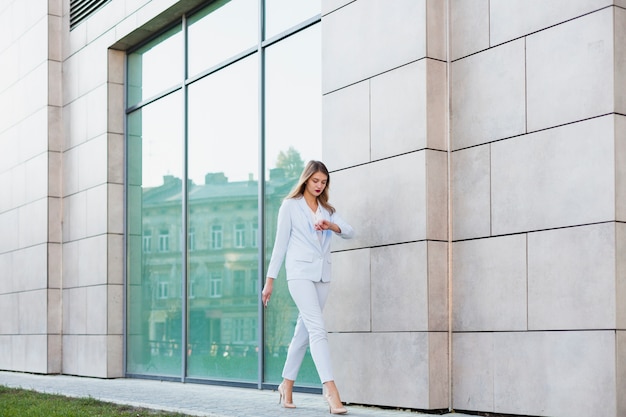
pixel 222 30
pixel 203 128
pixel 293 100
pixel 155 67
pixel 280 15
pixel 223 164
pixel 154 153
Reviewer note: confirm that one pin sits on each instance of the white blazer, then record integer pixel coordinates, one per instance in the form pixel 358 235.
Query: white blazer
pixel 296 238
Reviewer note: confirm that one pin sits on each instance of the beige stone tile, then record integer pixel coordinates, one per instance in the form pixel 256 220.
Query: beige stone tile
pixel 436 29
pixel 488 95
pixel 469 27
pixel 71 258
pixel 75 216
pixel 9 226
pixel 115 310
pixel 55 83
pixel 9 325
pixel 55 174
pixel 489 285
pixel 30 268
pixel 32 307
pixel 620 59
pixel 6 346
pixel 92 262
pixel 36 171
pixel 116 113
pixel 97 210
pixel 438 286
pixel 368 212
pixel 32 135
pixel 96 309
pixel 116 66
pixel 436 195
pixel 621 372
pixel 346 126
pixel 403 357
pixel 18 190
pixel 97 112
pixel 348 306
pixel 369 37
pixel 620 168
pixel 85 355
pixel 471 192
pixel 75 119
pixel 473 371
pixel 115 158
pixel 55 267
pixel 620 274
pixel 570 71
pixel 571 278
pixel 33 220
pixel 54 312
pixel 408 109
pixel 6 264
pixel 35 353
pixel 74 311
pixel 115 262
pixel 55 219
pixel 399 288
pixel 511 19
pixel 554 178
pixel 71 171
pixel 92 163
pixel 6 184
pixel 555 373
pixel 55 354
pixel 115 356
pixel 32 50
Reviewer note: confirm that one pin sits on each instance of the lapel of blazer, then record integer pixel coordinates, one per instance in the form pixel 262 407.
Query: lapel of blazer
pixel 308 214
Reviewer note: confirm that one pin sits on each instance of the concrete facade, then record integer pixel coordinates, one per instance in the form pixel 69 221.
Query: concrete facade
pixel 486 140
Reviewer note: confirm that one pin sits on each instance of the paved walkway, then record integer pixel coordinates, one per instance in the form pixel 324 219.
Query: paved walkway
pixel 190 399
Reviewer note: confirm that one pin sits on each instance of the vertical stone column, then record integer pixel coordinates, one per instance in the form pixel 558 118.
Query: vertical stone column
pixel 30 182
pixel 93 196
pixel 384 125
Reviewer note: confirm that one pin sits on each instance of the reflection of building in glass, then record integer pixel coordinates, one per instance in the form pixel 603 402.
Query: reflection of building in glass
pixel 223 274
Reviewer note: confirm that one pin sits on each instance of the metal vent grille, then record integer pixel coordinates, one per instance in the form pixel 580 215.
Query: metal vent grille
pixel 82 9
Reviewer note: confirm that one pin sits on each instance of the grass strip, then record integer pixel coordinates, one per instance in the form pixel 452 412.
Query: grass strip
pixel 18 402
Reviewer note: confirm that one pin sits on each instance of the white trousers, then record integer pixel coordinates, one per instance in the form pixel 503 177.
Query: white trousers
pixel 310 298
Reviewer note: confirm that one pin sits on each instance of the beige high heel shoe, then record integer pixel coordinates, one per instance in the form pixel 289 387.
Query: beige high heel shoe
pixel 282 399
pixel 335 410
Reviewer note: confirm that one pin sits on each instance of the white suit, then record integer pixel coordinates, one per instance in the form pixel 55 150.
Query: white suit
pixel 307 257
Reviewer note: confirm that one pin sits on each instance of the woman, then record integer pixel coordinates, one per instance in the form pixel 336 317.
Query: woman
pixel 306 222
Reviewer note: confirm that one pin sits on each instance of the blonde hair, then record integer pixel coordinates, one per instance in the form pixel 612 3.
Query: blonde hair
pixel 311 168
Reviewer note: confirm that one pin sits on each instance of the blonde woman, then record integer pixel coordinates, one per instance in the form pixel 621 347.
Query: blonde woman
pixel 306 223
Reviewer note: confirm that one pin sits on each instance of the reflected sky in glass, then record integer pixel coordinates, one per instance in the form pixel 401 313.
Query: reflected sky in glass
pixel 280 15
pixel 222 30
pixel 223 123
pixel 293 97
pixel 155 67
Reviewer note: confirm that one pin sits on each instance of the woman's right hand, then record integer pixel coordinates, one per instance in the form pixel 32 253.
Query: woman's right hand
pixel 267 291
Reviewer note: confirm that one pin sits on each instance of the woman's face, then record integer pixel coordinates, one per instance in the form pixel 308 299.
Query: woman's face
pixel 315 184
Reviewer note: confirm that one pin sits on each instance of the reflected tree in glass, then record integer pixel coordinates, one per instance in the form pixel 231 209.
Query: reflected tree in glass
pixel 292 137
